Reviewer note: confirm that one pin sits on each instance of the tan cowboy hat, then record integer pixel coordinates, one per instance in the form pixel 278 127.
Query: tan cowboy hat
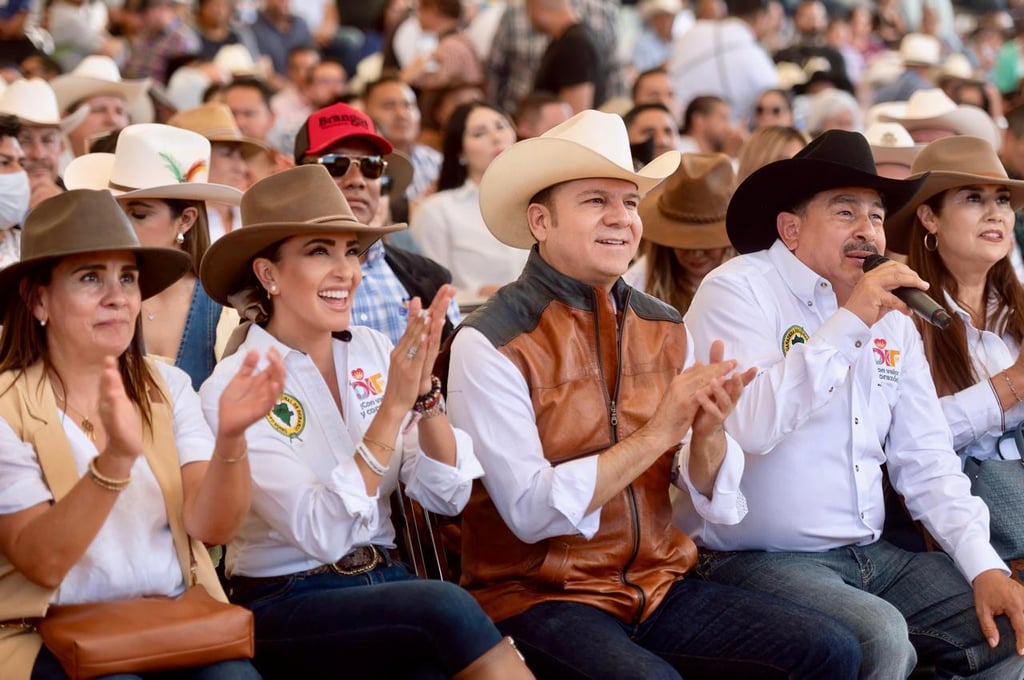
pixel 152 161
pixel 891 143
pixel 946 164
pixel 276 208
pixel 98 75
pixel 85 221
pixel 687 210
pixel 932 108
pixel 591 144
pixel 32 101
pixel 217 124
pixel 919 49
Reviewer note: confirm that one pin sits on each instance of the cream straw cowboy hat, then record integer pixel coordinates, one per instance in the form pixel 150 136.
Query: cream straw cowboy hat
pixel 98 75
pixel 32 101
pixel 891 143
pixel 276 208
pixel 687 210
pixel 591 144
pixel 933 109
pixel 946 164
pixel 85 221
pixel 152 161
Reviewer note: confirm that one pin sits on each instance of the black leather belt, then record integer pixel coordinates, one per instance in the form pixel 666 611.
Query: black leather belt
pixel 359 560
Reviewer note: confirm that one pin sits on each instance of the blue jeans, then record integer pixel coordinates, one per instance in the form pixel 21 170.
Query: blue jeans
pixel 385 623
pixel 700 629
pixel 901 605
pixel 48 668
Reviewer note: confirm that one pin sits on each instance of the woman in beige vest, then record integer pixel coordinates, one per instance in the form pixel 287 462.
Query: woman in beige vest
pixel 107 466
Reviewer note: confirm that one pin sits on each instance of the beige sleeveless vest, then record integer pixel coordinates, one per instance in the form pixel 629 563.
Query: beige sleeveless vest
pixel 29 407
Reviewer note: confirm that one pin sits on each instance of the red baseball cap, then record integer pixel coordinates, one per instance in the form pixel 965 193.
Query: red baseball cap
pixel 330 125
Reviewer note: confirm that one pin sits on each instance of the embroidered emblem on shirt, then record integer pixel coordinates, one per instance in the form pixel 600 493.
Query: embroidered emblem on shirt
pixel 288 417
pixel 794 335
pixel 887 360
pixel 369 390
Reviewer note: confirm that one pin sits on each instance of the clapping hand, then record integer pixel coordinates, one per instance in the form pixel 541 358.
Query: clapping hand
pixel 412 359
pixel 250 395
pixel 719 398
pixel 118 414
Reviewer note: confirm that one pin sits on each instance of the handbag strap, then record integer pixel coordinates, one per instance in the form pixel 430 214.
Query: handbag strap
pixel 1017 434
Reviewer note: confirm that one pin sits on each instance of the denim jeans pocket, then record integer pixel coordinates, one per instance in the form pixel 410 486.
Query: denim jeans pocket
pixel 254 595
pixel 709 561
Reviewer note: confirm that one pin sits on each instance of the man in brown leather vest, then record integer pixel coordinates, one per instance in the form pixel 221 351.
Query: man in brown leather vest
pixel 570 383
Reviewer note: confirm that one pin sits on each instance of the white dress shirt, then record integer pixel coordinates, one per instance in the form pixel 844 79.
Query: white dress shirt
pixel 133 553
pixel 829 395
pixel 488 398
pixel 975 416
pixel 309 501
pixel 449 229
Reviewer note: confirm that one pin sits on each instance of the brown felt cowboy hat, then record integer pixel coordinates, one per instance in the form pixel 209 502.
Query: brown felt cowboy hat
pixel 687 210
pixel 835 159
pixel 86 221
pixel 217 124
pixel 300 200
pixel 944 164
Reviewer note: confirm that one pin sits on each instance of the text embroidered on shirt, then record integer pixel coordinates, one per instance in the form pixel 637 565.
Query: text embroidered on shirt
pixel 794 335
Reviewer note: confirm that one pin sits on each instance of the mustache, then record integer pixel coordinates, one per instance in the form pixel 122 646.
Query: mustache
pixel 870 248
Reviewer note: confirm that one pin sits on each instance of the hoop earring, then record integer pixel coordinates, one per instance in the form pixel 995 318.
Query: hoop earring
pixel 935 242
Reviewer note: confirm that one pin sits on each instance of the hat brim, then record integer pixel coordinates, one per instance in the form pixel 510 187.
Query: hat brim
pixel 226 265
pixel 400 171
pixel 899 155
pixel 247 145
pixel 780 186
pixel 71 89
pixel 897 227
pixel 382 145
pixel 93 171
pixel 525 168
pixel 965 120
pixel 158 269
pixel 673 233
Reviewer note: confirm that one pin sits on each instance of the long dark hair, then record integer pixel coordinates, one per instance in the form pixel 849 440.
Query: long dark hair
pixel 946 350
pixel 453 172
pixel 23 343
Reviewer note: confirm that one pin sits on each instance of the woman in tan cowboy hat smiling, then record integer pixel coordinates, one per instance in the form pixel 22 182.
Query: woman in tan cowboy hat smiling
pixel 358 416
pixel 159 174
pixel 684 229
pixel 958 234
pixel 108 468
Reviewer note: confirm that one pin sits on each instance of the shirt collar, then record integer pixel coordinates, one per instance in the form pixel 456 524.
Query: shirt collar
pixel 375 253
pixel 802 281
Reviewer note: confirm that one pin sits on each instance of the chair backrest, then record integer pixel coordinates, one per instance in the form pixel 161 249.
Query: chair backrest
pixel 427 542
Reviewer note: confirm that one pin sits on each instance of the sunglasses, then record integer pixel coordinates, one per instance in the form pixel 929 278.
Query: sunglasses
pixel 371 167
pixel 774 110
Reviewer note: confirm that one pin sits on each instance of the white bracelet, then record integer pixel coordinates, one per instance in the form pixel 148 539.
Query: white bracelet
pixel 370 460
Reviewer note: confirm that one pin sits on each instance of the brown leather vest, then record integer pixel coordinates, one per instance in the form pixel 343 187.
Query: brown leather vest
pixel 595 377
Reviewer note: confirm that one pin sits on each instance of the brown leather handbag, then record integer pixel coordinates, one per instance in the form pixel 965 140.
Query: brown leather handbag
pixel 147 634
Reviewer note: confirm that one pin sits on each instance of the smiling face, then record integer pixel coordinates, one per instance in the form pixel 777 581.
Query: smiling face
pixel 91 305
pixel 698 263
pixel 834 232
pixel 316 276
pixel 973 225
pixel 589 229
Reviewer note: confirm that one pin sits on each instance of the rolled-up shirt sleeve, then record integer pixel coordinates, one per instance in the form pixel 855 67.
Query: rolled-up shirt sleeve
pixel 437 486
pixel 489 399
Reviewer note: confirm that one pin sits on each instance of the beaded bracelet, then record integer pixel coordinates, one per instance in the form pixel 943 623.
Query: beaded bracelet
pixel 1009 383
pixel 429 401
pixel 370 460
pixel 108 483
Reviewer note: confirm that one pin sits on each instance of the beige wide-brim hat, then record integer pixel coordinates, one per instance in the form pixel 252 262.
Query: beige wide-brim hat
pixel 932 108
pixel 919 49
pixel 589 145
pixel 297 201
pixel 217 124
pixel 85 221
pixel 688 209
pixel 152 161
pixel 32 101
pixel 98 75
pixel 891 143
pixel 946 164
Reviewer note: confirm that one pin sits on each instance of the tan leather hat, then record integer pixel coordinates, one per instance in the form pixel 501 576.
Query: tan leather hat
pixel 217 124
pixel 87 221
pixel 300 200
pixel 688 209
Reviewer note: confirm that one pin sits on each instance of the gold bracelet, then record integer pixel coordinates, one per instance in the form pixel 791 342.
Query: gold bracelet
pixel 1009 383
pixel 368 440
pixel 108 483
pixel 231 460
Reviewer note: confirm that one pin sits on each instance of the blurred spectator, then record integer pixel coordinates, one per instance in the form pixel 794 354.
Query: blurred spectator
pixel 290 105
pixel 573 65
pixel 215 25
pixel 708 128
pixel 162 34
pixel 79 28
pixel 539 112
pixel 454 59
pixel 931 114
pixel 654 47
pixel 277 31
pixel 767 145
pixel 14 44
pixel 839 36
pixel 40 65
pixel 392 106
pixel 921 55
pixel 249 101
pixel 14 191
pixel 723 58
pixel 34 104
pixel 774 108
pixel 811 44
pixel 833 109
pixel 655 87
pixel 893 149
pixel 438 105
pixel 654 122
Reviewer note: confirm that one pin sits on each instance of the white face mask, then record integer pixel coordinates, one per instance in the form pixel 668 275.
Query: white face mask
pixel 15 193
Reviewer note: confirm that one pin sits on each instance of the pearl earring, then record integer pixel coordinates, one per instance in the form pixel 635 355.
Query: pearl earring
pixel 42 323
pixel 273 289
pixel 180 238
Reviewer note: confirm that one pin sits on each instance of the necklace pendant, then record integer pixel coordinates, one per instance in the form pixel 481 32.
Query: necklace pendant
pixel 88 429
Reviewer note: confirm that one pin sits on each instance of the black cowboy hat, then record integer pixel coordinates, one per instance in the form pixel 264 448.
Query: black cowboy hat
pixel 834 159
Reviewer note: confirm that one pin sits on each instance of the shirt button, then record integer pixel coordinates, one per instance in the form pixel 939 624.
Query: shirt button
pixel 810 304
pixel 363 317
pixel 831 389
pixel 856 468
pixel 862 515
pixel 824 285
pixel 858 344
pixel 856 421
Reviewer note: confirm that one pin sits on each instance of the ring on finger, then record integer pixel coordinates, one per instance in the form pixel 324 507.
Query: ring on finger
pixel 411 354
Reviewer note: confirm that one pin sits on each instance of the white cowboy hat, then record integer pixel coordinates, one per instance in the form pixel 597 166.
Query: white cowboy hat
pixel 883 68
pixel 648 8
pixel 919 49
pixel 152 161
pixel 591 144
pixel 891 143
pixel 875 113
pixel 932 108
pixel 98 75
pixel 235 60
pixel 32 101
pixel 790 75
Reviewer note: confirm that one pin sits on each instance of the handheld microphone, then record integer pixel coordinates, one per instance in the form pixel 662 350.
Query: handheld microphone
pixel 915 298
